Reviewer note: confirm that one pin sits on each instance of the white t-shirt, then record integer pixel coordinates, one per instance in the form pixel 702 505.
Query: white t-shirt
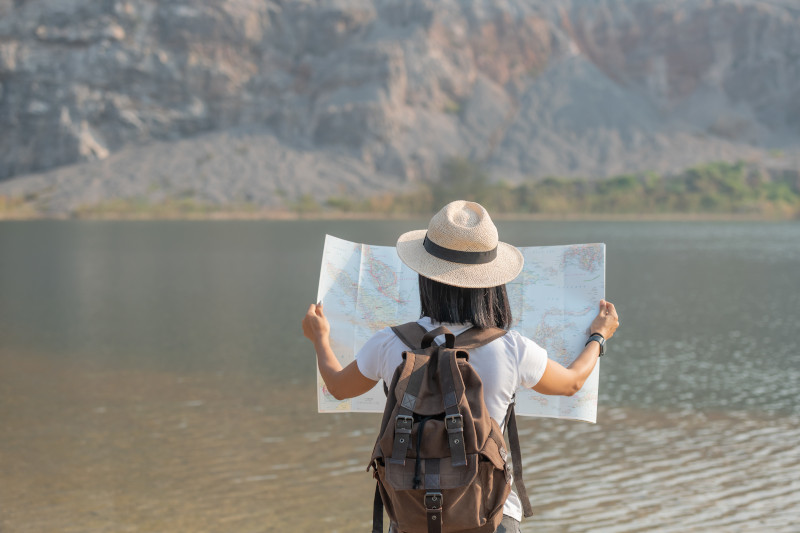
pixel 505 364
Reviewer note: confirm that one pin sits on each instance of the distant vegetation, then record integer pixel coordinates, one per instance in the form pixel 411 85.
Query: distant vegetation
pixel 131 208
pixel 737 189
pixel 713 189
pixel 180 207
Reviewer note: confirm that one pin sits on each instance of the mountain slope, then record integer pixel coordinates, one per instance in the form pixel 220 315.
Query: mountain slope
pixel 271 100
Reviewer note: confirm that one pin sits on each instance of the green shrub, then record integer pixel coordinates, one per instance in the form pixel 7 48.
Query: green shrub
pixel 733 188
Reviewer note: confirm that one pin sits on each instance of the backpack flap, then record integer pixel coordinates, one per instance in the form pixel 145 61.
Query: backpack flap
pixel 427 400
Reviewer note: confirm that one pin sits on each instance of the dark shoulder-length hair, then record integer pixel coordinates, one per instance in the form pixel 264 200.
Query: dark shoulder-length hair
pixel 481 307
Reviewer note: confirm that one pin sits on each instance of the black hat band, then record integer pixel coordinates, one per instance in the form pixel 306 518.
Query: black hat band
pixel 458 256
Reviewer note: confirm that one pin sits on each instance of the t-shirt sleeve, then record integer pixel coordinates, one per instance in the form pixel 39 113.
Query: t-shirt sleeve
pixel 531 360
pixel 370 359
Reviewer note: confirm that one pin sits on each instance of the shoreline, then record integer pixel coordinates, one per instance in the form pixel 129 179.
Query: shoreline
pixel 290 215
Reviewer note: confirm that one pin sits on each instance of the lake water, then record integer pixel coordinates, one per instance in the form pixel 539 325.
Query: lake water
pixel 154 377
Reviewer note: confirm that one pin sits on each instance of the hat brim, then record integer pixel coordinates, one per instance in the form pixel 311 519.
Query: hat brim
pixel 504 268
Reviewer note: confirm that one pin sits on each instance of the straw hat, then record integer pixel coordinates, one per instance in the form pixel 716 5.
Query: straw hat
pixel 460 248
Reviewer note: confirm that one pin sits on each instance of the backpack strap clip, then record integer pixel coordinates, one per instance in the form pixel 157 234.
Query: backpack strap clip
pixel 433 501
pixel 454 423
pixel 433 506
pixel 402 438
pixel 404 419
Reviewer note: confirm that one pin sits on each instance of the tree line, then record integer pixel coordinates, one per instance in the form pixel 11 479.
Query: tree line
pixel 712 188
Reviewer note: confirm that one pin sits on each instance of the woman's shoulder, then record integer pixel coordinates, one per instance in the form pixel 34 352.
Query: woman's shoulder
pixel 519 342
pixel 380 343
pixel 512 336
pixel 383 335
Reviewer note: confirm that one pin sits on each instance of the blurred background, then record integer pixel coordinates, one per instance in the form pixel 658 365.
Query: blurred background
pixel 153 374
pixel 144 107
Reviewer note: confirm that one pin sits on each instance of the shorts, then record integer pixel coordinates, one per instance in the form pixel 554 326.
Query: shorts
pixel 508 525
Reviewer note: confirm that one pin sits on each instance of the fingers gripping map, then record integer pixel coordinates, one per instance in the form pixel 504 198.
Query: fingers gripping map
pixel 367 288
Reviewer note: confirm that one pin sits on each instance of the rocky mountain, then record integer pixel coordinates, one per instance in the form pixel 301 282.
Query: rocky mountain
pixel 262 101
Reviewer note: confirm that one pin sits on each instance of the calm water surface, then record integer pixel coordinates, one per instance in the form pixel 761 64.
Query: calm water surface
pixel 153 377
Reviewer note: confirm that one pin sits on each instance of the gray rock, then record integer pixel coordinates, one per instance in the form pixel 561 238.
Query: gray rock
pixel 371 95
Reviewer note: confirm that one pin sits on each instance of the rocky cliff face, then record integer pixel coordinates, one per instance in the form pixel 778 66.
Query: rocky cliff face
pixel 267 100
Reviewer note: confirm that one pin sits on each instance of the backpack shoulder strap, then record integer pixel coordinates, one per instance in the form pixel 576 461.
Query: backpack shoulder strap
pixel 475 337
pixel 516 460
pixel 411 334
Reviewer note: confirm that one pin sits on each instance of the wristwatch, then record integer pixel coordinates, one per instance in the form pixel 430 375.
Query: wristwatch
pixel 600 340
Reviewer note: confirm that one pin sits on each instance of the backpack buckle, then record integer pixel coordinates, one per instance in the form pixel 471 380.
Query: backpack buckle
pixel 454 422
pixel 402 438
pixel 433 501
pixel 403 423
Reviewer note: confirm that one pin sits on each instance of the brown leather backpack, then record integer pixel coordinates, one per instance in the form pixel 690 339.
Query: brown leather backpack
pixel 440 459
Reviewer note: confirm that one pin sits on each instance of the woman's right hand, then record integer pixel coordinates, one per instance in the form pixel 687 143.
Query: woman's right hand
pixel 607 320
pixel 316 327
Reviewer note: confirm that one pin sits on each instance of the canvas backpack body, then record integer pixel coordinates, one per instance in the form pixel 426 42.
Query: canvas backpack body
pixel 440 459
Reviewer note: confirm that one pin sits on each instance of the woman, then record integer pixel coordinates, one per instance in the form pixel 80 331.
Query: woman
pixel 463 269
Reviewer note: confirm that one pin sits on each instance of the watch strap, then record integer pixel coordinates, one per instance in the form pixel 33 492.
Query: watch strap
pixel 600 340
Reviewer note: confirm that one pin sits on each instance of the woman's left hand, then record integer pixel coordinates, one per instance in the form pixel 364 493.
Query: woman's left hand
pixel 315 325
pixel 607 320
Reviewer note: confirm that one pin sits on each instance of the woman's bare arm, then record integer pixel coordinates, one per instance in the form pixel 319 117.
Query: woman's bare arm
pixel 342 383
pixel 558 380
pixel 349 382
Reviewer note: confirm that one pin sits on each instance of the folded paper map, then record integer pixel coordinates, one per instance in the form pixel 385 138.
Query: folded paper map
pixel 553 301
